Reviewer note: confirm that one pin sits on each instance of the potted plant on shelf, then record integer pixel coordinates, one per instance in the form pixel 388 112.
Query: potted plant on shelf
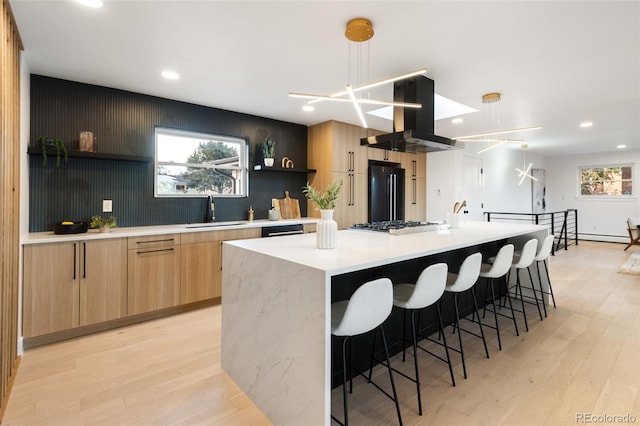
pixel 269 151
pixel 61 149
pixel 105 224
pixel 327 228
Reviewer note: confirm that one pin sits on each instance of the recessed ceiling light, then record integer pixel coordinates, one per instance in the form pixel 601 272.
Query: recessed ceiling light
pixel 308 108
pixel 170 75
pixel 621 146
pixel 586 124
pixel 457 120
pixel 91 3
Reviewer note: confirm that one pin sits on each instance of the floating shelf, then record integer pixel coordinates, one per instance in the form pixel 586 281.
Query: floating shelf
pixel 261 168
pixel 92 155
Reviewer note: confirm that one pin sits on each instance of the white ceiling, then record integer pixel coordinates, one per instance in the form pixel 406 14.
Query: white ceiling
pixel 556 63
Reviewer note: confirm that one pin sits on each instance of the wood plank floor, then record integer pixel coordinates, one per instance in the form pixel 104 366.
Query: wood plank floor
pixel 583 358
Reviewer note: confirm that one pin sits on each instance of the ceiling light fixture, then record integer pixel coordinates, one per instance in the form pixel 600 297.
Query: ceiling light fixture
pixel 91 3
pixel 621 146
pixel 359 30
pixel 586 124
pixel 170 75
pixel 308 108
pixel 524 173
pixel 497 132
pixel 457 120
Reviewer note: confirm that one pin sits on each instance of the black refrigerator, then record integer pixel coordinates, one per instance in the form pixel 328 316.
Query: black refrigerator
pixel 386 192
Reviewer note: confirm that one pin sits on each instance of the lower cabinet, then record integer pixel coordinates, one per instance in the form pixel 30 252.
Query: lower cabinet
pixel 201 254
pixel 153 273
pixel 67 285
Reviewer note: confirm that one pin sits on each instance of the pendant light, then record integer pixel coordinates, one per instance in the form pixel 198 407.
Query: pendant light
pixel 360 30
pixel 524 173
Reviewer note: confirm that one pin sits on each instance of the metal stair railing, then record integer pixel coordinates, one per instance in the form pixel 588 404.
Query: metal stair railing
pixel 563 225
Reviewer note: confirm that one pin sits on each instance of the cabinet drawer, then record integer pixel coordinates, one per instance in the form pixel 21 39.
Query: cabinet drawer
pixel 153 241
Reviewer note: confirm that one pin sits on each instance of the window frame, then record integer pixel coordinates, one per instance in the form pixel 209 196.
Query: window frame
pixel 243 160
pixel 609 197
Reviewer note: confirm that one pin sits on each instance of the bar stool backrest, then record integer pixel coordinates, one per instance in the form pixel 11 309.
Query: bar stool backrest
pixel 502 263
pixel 545 248
pixel 468 274
pixel 429 287
pixel 368 307
pixel 528 254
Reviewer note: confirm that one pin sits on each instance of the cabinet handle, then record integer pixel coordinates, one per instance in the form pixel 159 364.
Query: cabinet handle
pixel 154 241
pixel 74 261
pixel 84 259
pixel 155 251
pixel 415 191
pixel 352 194
pixel 414 164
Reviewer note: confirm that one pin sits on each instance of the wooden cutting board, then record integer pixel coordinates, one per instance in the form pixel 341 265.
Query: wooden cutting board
pixel 289 207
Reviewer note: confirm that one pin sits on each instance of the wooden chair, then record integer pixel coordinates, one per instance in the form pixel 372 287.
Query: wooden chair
pixel 633 226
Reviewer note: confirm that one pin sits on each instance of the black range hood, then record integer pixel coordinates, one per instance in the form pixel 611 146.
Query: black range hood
pixel 412 127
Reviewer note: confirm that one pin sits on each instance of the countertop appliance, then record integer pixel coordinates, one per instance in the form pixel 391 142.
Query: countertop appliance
pixel 386 192
pixel 413 127
pixel 401 226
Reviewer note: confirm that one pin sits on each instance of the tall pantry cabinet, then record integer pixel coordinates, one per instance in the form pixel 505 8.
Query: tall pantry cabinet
pixel 334 150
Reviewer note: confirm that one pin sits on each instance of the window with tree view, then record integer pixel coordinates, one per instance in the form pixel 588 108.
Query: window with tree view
pixel 606 180
pixel 195 164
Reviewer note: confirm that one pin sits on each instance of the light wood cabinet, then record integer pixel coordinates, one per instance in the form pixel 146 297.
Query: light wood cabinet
pixel 415 186
pixel 335 152
pixel 67 285
pixel 153 273
pixel 201 262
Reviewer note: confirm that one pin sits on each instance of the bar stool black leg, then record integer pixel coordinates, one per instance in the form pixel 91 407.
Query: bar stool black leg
pixel 446 348
pixel 535 296
pixel 513 314
pixel 393 385
pixel 344 384
pixel 475 307
pixel 495 313
pixel 544 305
pixel 455 306
pixel 524 312
pixel 415 359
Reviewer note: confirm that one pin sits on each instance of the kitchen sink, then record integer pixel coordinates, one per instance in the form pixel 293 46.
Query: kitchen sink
pixel 211 225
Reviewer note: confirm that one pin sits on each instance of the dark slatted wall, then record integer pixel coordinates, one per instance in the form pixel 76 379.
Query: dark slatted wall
pixel 123 123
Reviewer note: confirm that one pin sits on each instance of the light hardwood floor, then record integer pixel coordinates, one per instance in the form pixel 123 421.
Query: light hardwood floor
pixel 583 358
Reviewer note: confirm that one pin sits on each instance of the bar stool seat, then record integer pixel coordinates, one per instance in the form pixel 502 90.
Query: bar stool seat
pixel 412 298
pixel 458 284
pixel 366 310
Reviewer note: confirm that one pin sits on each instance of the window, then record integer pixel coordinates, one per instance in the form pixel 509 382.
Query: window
pixel 615 180
pixel 189 164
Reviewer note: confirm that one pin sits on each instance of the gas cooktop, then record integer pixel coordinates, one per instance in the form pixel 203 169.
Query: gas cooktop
pixel 400 226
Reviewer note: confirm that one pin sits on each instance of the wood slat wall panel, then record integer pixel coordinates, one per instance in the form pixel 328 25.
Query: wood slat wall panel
pixel 10 48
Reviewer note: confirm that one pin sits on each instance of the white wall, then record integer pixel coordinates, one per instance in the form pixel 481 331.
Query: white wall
pixel 500 189
pixel 600 220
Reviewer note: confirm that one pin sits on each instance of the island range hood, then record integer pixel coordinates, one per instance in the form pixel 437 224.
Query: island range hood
pixel 412 127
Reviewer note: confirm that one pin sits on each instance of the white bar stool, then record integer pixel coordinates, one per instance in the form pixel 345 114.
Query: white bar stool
pixel 543 256
pixel 459 283
pixel 499 269
pixel 426 292
pixel 524 260
pixel 366 310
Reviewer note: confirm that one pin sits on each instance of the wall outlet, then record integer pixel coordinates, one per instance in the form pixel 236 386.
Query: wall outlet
pixel 107 206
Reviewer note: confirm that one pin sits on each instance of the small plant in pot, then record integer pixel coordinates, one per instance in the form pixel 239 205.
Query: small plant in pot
pixel 269 151
pixel 105 224
pixel 50 143
pixel 323 200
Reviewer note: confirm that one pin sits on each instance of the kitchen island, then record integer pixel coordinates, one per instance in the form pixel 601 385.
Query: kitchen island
pixel 276 342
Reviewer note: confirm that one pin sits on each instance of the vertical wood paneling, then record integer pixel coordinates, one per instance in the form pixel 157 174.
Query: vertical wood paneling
pixel 10 47
pixel 124 123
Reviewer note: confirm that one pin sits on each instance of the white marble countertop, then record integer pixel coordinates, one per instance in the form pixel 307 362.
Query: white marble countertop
pixel 361 249
pixel 136 231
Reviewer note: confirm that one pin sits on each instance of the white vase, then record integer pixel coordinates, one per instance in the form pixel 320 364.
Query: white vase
pixel 268 162
pixel 326 231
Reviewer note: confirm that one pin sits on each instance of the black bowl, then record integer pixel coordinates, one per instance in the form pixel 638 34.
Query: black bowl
pixel 74 228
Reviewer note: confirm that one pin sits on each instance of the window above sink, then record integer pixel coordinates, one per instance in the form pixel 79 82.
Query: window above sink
pixel 192 164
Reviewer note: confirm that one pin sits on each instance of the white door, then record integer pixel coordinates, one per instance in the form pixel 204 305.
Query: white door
pixel 472 188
